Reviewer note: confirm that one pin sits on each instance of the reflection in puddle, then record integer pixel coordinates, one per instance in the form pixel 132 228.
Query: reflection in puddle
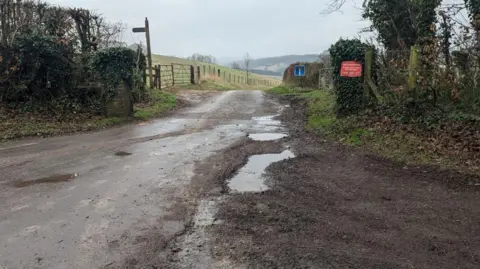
pixel 266 136
pixel 250 177
pixel 267 120
pixel 50 179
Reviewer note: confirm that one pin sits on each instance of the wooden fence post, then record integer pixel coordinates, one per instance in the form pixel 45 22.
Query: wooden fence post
pixel 368 74
pixel 369 87
pixel 219 75
pixel 155 82
pixel 160 77
pixel 198 74
pixel 412 70
pixel 204 70
pixel 173 76
pixel 229 78
pixel 192 74
pixel 157 77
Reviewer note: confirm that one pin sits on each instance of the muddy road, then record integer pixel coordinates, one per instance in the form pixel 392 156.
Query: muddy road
pixel 96 200
pixel 233 181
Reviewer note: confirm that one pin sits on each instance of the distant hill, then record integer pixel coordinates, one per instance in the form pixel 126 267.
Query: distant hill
pixel 265 73
pixel 278 64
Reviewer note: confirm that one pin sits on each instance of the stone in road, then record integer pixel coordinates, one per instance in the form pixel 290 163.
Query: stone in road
pixel 88 200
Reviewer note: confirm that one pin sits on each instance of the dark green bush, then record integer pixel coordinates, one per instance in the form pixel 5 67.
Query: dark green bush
pixel 349 91
pixel 114 65
pixel 35 69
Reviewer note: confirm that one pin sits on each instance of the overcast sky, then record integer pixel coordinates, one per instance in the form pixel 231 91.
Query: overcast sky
pixel 230 28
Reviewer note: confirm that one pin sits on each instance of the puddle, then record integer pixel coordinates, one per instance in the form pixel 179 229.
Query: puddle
pixel 122 153
pixel 250 177
pixel 267 120
pixel 266 136
pixel 50 179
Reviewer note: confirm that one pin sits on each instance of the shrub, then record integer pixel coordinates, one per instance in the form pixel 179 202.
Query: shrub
pixel 118 64
pixel 36 68
pixel 349 91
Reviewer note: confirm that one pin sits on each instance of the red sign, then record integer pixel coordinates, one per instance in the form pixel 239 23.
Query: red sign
pixel 351 69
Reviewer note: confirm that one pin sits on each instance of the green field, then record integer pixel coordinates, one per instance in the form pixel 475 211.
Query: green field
pixel 227 75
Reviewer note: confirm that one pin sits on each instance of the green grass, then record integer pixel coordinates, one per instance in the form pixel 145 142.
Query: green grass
pixel 225 72
pixel 23 125
pixel 322 120
pixel 14 124
pixel 160 102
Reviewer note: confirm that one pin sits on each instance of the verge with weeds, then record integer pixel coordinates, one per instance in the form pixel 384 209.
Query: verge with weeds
pixel 17 124
pixel 447 140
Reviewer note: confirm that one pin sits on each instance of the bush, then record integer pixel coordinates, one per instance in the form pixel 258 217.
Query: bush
pixel 36 68
pixel 118 64
pixel 349 91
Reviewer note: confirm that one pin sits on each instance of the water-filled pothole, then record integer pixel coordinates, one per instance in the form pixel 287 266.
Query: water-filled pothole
pixel 122 153
pixel 250 177
pixel 267 120
pixel 266 136
pixel 50 179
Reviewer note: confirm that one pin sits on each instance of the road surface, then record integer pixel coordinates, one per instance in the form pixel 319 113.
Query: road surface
pixel 88 200
pixel 232 182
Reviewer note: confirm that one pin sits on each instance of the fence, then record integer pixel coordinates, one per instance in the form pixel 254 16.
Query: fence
pixel 181 75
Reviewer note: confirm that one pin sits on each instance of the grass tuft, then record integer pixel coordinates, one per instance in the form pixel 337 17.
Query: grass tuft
pixel 160 102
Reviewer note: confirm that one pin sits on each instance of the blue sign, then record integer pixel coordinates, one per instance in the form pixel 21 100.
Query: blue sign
pixel 299 70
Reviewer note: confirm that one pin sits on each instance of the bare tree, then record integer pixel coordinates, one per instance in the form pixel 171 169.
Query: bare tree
pixel 236 66
pixel 246 64
pixel 333 6
pixel 197 57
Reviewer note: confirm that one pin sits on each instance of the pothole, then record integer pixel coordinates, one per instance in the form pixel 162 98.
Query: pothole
pixel 50 179
pixel 250 177
pixel 266 136
pixel 122 153
pixel 267 120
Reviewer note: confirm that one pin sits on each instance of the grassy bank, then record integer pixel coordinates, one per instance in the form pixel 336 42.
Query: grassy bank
pixel 410 143
pixel 17 123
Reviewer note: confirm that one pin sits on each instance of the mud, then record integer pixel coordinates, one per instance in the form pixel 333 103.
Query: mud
pixel 338 207
pixel 169 204
pixel 122 153
pixel 190 247
pixel 49 179
pixel 124 212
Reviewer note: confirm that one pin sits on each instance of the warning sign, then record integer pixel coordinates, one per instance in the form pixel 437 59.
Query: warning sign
pixel 351 69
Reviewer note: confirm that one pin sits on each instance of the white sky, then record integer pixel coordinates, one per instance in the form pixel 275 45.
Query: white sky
pixel 230 28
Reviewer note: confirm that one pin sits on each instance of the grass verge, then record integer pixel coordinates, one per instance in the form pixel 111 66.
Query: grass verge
pixel 160 102
pixel 17 124
pixel 404 143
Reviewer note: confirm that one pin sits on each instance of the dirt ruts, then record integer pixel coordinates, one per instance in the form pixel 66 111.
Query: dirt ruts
pixel 338 207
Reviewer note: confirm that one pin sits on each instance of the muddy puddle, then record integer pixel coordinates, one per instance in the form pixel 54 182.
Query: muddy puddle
pixel 250 177
pixel 50 179
pixel 122 153
pixel 266 136
pixel 268 120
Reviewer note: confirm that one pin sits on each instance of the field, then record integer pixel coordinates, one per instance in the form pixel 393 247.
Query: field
pixel 227 75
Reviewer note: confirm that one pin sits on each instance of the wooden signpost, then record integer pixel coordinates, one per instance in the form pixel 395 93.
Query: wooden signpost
pixel 146 30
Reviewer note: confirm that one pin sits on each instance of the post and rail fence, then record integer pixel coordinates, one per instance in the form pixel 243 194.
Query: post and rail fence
pixel 176 74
